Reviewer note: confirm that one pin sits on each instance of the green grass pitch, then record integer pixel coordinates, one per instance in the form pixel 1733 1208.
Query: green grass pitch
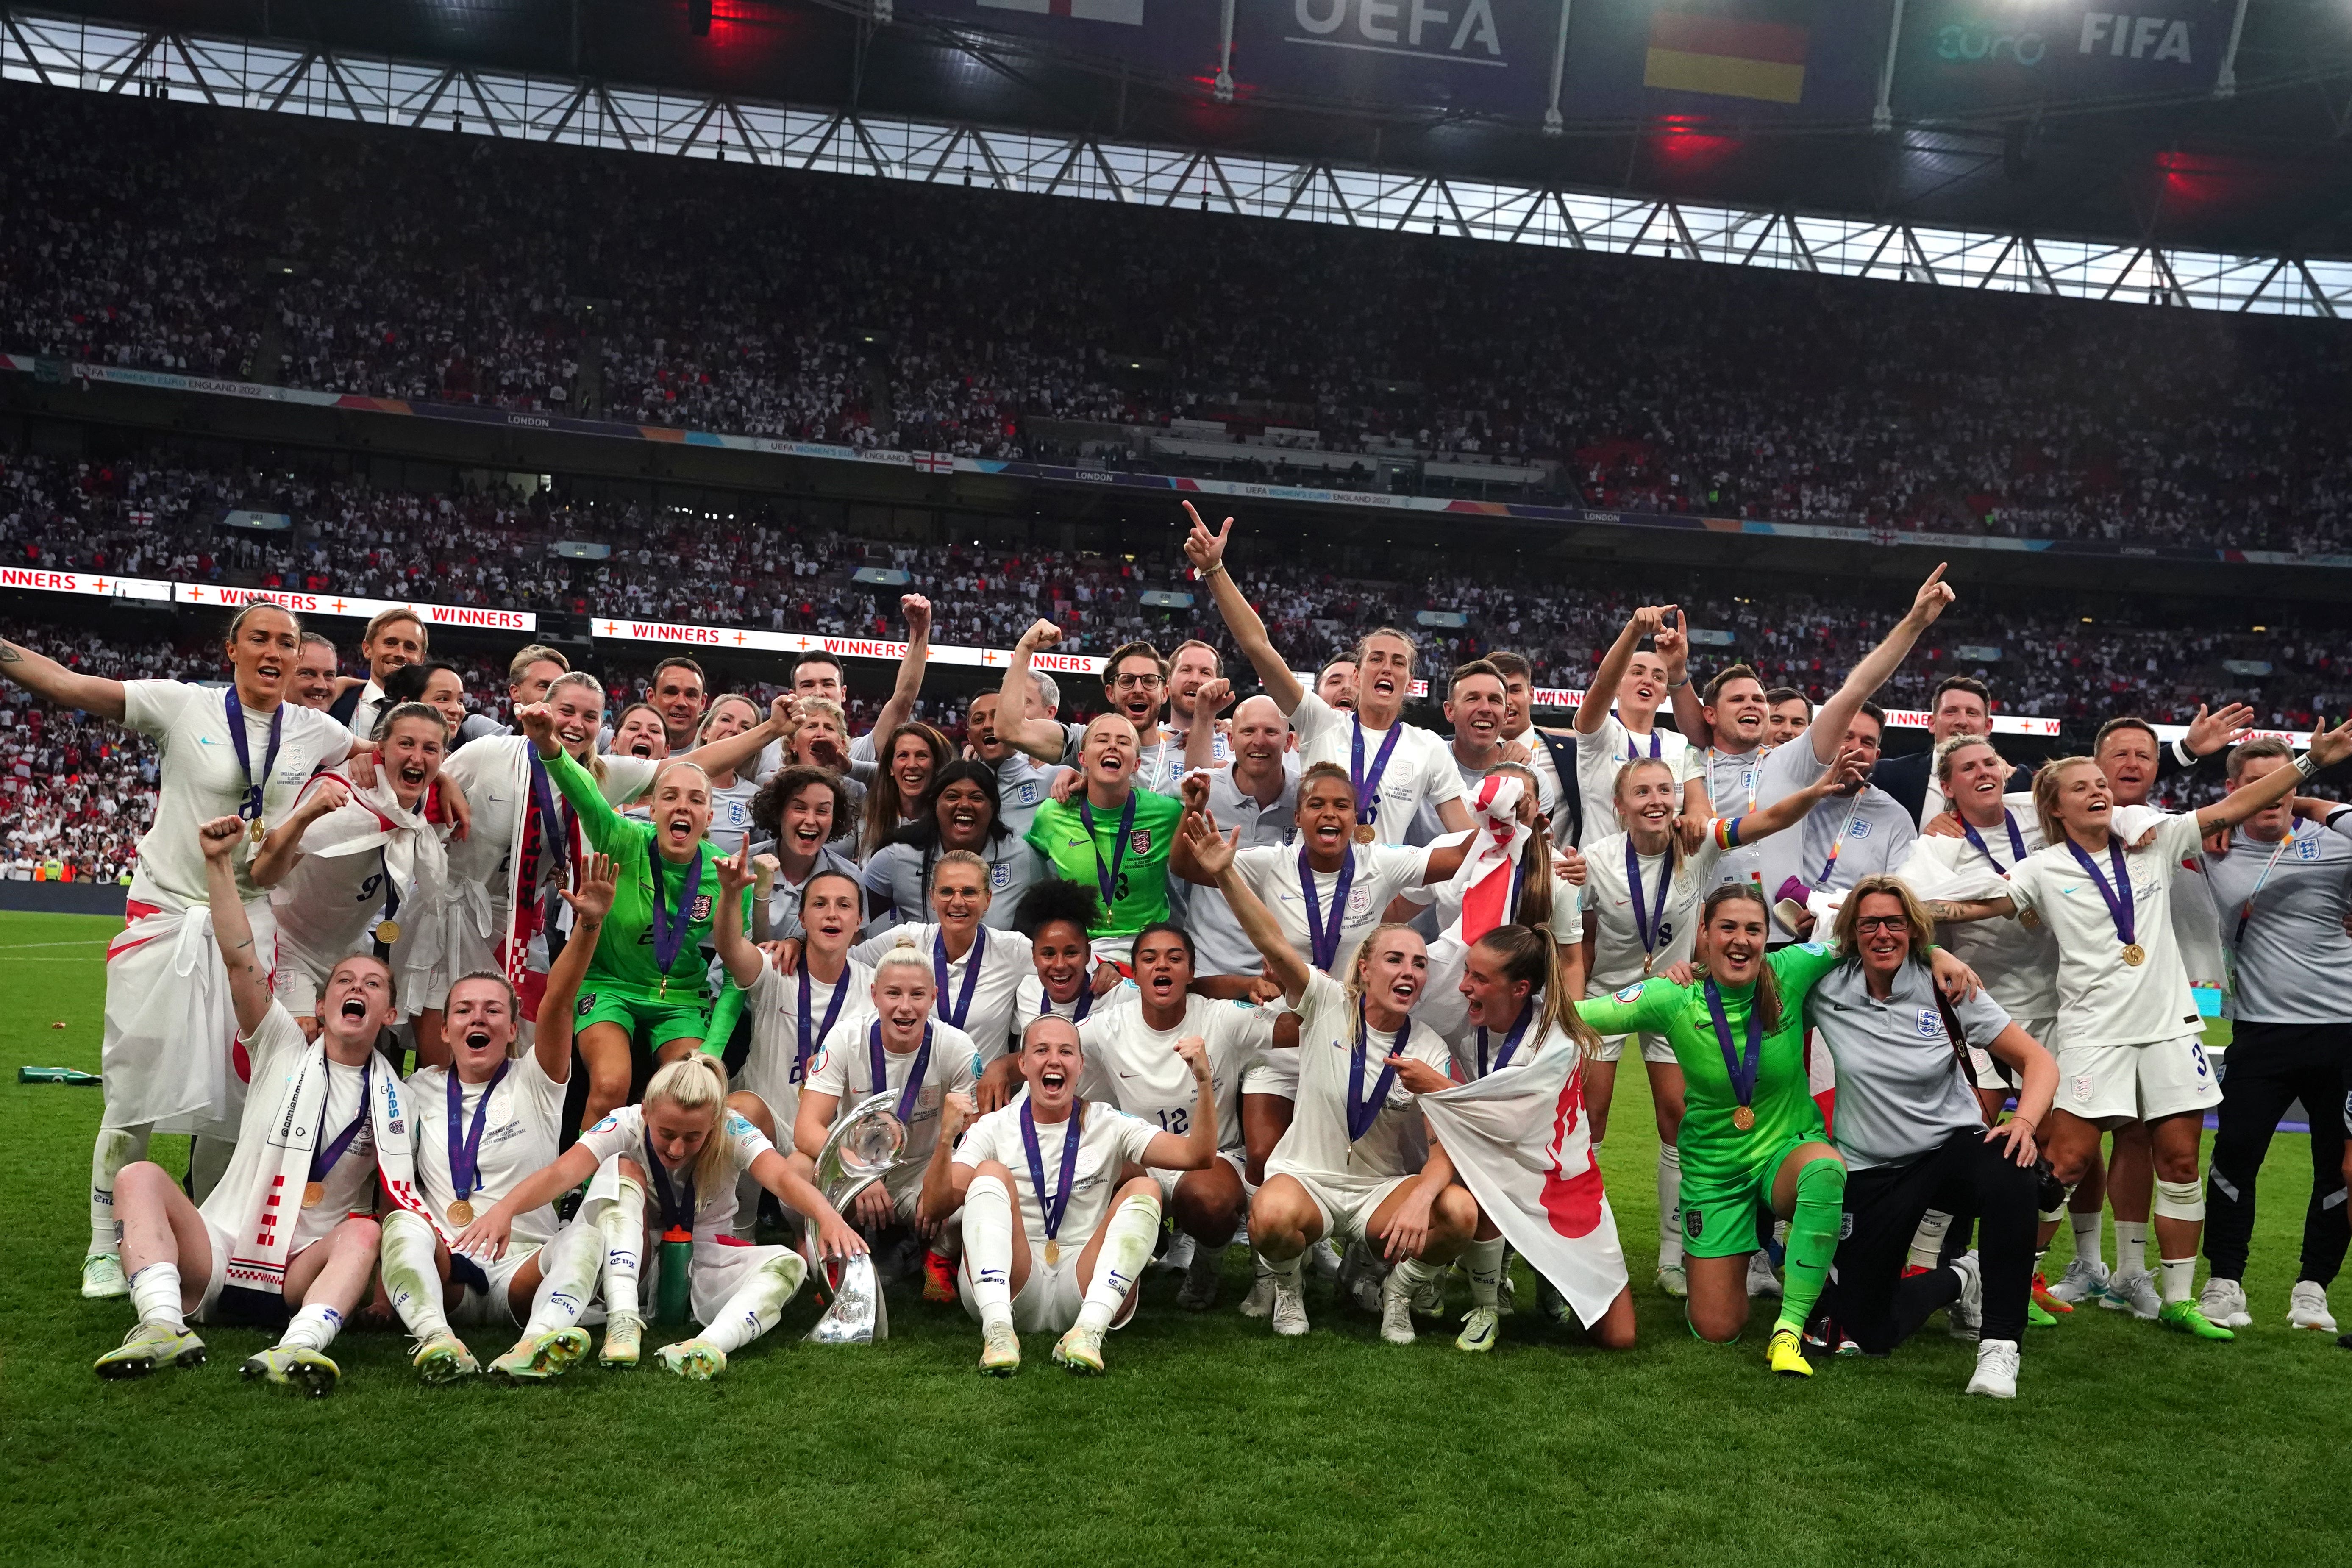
pixel 1210 1441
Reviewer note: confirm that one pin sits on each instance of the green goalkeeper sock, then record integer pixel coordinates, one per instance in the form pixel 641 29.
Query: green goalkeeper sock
pixel 1812 1241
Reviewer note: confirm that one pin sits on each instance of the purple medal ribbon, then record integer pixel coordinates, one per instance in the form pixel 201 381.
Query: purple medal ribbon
pixel 250 807
pixel 555 843
pixel 880 1060
pixel 1052 1204
pixel 1633 752
pixel 2119 897
pixel 676 1212
pixel 1648 923
pixel 2016 841
pixel 1510 1041
pixel 1368 785
pixel 971 961
pixel 1740 1069
pixel 669 931
pixel 322 1160
pixel 1362 1112
pixel 1325 939
pixel 466 1151
pixel 809 1047
pixel 1107 877
pixel 1078 1009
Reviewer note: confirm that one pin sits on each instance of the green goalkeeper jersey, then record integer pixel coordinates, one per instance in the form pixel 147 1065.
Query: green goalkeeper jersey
pixel 625 953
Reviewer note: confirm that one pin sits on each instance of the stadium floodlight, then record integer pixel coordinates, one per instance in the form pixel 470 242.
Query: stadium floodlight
pixel 880 577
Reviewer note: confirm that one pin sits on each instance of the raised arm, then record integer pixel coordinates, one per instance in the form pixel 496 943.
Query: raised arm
pixel 45 676
pixel 249 981
pixel 281 851
pixel 1790 809
pixel 1043 738
pixel 1198 1147
pixel 739 751
pixel 1828 730
pixel 1594 712
pixel 590 905
pixel 1206 551
pixel 901 706
pixel 1200 740
pixel 2328 747
pixel 1214 852
pixel 743 961
pixel 598 820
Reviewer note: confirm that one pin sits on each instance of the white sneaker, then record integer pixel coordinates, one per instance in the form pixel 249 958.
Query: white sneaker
pixel 1323 1260
pixel 1000 1347
pixel 1761 1280
pixel 1199 1291
pixel 1430 1299
pixel 101 1277
pixel 1259 1302
pixel 1964 1319
pixel 1396 1309
pixel 2309 1308
pixel 2133 1293
pixel 1289 1309
pixel 1996 1373
pixel 2223 1301
pixel 2084 1278
pixel 1674 1280
pixel 1481 1327
pixel 1080 1350
pixel 1178 1255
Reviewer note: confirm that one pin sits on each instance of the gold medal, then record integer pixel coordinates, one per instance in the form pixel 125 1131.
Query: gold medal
pixel 387 932
pixel 256 831
pixel 461 1213
pixel 2030 920
pixel 2135 954
pixel 314 1195
pixel 1743 1118
pixel 1364 832
pixel 1053 1253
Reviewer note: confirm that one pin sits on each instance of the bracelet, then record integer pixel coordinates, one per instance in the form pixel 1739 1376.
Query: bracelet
pixel 1678 685
pixel 1211 570
pixel 2306 764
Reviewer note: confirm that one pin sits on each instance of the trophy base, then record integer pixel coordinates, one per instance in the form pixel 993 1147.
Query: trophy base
pixel 858 1316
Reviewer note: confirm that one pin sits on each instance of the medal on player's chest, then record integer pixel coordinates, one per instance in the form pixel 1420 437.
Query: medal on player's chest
pixel 461 1213
pixel 2135 954
pixel 2117 896
pixel 465 1144
pixel 387 932
pixel 1051 1203
pixel 1738 1066
pixel 1744 1118
pixel 254 835
pixel 2030 920
pixel 313 1193
pixel 1364 832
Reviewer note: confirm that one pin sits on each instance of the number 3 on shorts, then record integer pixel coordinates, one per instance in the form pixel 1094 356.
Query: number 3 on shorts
pixel 2197 1050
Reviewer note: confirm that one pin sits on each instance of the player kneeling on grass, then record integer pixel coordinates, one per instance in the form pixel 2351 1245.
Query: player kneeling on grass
pixel 687 1147
pixel 483 1124
pixel 1067 1254
pixel 291 1228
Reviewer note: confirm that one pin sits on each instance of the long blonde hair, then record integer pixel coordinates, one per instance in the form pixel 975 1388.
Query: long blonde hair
pixel 1353 985
pixel 698 1083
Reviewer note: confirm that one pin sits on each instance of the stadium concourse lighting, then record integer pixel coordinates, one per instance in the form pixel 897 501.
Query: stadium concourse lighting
pixel 289 78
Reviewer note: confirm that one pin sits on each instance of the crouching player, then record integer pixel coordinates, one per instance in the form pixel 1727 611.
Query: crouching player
pixel 685 1145
pixel 1053 1236
pixel 483 1124
pixel 288 1238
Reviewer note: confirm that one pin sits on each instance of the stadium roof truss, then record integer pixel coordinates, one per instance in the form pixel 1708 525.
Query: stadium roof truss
pixel 295 79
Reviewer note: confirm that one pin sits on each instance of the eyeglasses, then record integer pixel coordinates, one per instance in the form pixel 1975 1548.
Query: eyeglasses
pixel 1869 923
pixel 1128 682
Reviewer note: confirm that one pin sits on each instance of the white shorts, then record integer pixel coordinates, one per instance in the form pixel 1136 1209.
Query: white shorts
pixel 1112 950
pixel 2117 1083
pixel 216 1281
pixel 1275 1072
pixel 1986 1072
pixel 496 1305
pixel 1049 1300
pixel 1346 1209
pixel 1654 1048
pixel 1168 1179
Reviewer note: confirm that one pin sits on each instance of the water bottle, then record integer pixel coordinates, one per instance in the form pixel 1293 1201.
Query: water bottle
pixel 675 1295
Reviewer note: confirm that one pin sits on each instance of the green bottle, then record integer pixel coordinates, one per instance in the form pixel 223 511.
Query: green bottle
pixel 676 1294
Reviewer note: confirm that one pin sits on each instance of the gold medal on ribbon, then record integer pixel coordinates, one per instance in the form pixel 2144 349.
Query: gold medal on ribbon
pixel 1364 834
pixel 2135 954
pixel 1743 1118
pixel 1053 1253
pixel 387 932
pixel 314 1195
pixel 256 831
pixel 461 1213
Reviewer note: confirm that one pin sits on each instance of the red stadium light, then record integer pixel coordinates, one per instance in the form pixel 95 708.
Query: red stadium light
pixel 1684 142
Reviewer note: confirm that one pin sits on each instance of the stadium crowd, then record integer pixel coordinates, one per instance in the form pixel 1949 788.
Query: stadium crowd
pixel 432 267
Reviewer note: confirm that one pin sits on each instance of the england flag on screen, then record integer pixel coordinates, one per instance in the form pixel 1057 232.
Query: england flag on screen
pixel 1127 11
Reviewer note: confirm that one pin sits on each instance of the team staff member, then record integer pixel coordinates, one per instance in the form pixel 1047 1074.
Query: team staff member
pixel 1788 713
pixel 1112 834
pixel 2283 890
pixel 677 694
pixel 2131 1042
pixel 1960 705
pixel 241 750
pixel 393 637
pixel 1135 683
pixel 965 814
pixel 1913 1136
pixel 1551 753
pixel 1020 781
pixel 1395 767
pixel 1257 791
pixel 529 675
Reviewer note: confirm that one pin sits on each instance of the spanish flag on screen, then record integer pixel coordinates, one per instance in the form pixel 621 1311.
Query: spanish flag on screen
pixel 1727 56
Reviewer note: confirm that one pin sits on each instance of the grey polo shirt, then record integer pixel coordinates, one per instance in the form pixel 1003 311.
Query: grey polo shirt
pixel 1899 1090
pixel 1219 945
pixel 2292 961
pixel 894 876
pixel 1870 832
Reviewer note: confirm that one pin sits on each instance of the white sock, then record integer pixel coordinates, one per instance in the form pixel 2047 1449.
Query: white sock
pixel 314 1326
pixel 567 1279
pixel 114 1148
pixel 988 1247
pixel 155 1297
pixel 2131 1246
pixel 1670 1205
pixel 1127 1247
pixel 1927 1239
pixel 757 1303
pixel 1285 1271
pixel 2179 1278
pixel 1418 1275
pixel 410 1277
pixel 622 1226
pixel 1483 1262
pixel 2085 1227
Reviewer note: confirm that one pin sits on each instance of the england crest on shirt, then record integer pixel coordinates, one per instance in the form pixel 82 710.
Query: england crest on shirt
pixel 999 876
pixel 1931 1024
pixel 1139 841
pixel 701 907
